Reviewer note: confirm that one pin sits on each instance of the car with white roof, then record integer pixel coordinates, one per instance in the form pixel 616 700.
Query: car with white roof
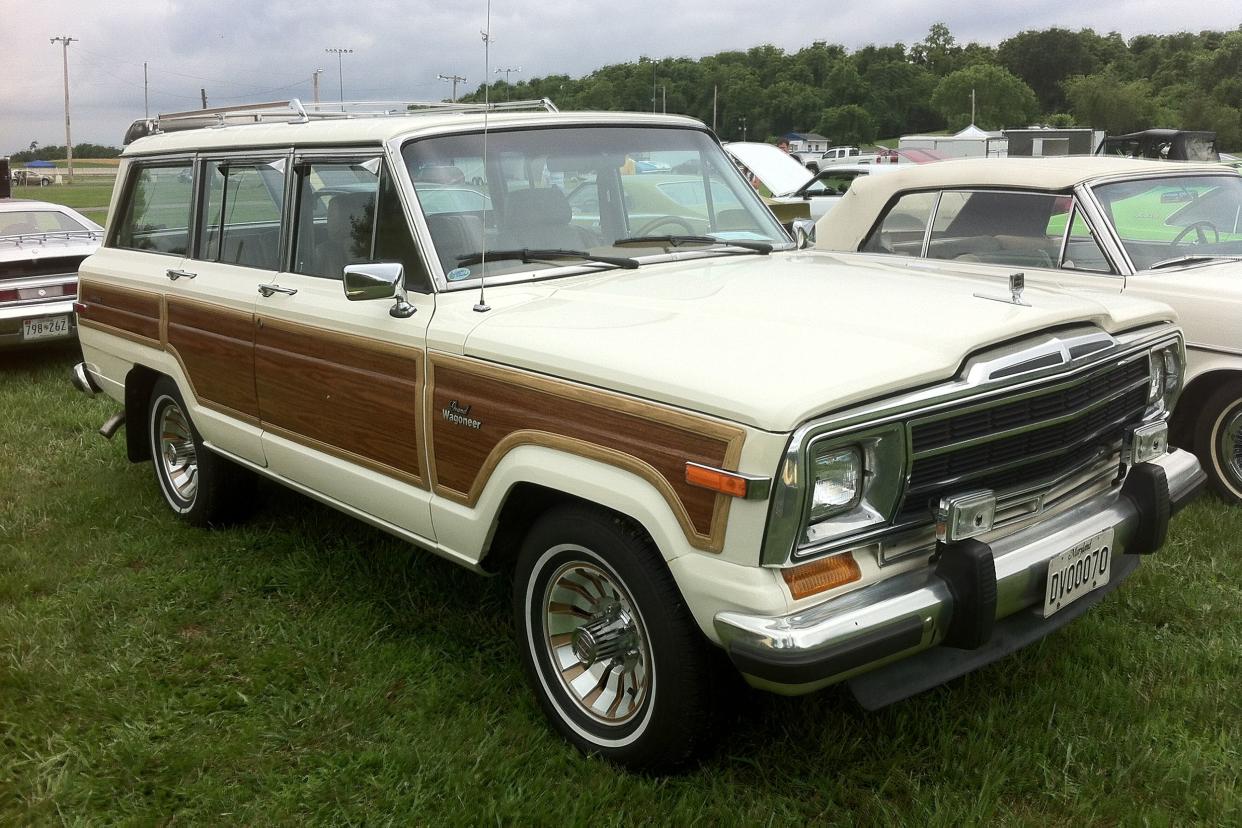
pixel 680 444
pixel 779 173
pixel 41 246
pixel 1171 232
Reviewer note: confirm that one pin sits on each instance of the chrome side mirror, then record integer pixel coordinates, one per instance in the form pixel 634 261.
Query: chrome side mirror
pixel 803 233
pixel 379 280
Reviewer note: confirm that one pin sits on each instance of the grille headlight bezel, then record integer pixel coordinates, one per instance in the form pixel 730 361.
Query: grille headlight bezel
pixel 882 460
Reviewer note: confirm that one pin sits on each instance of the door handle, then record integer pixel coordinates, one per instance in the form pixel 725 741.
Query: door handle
pixel 268 290
pixel 174 275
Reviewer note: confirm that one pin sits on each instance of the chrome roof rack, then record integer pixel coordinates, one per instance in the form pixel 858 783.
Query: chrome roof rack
pixel 297 112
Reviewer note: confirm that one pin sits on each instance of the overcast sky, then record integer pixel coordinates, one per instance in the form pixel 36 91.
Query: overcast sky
pixel 260 50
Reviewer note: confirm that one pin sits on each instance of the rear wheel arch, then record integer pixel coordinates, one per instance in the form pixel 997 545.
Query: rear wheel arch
pixel 138 385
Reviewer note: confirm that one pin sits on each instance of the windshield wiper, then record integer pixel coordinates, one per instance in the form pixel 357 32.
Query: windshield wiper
pixel 534 256
pixel 1202 257
pixel 677 241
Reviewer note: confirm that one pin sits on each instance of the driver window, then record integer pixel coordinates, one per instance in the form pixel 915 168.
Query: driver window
pixel 902 229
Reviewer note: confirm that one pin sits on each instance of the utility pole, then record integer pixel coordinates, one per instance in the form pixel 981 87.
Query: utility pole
pixel 146 99
pixel 64 42
pixel 653 84
pixel 507 70
pixel 315 80
pixel 340 71
pixel 715 93
pixel 972 106
pixel 742 121
pixel 455 79
pixel 664 98
pixel 202 93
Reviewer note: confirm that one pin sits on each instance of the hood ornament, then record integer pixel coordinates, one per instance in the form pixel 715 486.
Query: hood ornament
pixel 1017 284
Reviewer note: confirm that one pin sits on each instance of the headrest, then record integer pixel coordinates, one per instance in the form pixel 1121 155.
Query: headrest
pixel 543 207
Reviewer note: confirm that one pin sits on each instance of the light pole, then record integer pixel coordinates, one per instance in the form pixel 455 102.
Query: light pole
pixel 340 77
pixel 742 122
pixel 64 42
pixel 455 79
pixel 315 80
pixel 507 70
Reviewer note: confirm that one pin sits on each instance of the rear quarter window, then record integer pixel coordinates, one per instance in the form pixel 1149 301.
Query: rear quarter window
pixel 156 213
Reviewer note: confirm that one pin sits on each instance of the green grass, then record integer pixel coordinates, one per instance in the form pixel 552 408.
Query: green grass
pixel 303 667
pixel 90 195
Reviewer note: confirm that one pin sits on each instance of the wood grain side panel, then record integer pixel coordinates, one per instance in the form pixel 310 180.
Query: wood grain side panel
pixel 351 396
pixel 215 346
pixel 512 408
pixel 136 313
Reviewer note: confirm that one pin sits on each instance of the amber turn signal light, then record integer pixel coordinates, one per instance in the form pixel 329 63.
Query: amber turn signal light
pixel 821 575
pixel 718 481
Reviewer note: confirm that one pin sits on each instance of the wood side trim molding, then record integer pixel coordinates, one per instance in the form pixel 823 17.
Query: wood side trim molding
pixel 727 438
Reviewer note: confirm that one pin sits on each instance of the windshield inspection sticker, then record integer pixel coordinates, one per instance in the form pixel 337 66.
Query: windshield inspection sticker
pixel 457 274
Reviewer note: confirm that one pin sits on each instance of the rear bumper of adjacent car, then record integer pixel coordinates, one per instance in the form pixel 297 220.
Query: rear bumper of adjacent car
pixel 919 629
pixel 12 317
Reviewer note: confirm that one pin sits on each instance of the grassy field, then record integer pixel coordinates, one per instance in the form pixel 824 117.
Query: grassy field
pixel 88 195
pixel 303 667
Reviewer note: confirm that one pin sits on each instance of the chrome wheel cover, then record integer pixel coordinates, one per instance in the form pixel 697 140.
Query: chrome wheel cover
pixel 596 642
pixel 1229 446
pixel 177 458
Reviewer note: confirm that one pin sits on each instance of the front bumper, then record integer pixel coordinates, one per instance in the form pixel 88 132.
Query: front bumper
pixel 11 317
pixel 986 612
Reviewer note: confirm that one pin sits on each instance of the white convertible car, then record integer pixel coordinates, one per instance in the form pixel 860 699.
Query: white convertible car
pixel 789 182
pixel 1160 230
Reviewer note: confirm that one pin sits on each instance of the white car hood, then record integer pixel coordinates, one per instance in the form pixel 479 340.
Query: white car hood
pixel 771 341
pixel 779 171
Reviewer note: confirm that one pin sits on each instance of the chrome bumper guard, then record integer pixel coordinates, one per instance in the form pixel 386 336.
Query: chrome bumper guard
pixel 981 601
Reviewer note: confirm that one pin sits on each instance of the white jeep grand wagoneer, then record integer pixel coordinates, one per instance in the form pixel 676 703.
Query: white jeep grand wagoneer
pixel 579 345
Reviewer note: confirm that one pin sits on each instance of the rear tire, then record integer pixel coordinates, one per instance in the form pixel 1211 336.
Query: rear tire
pixel 614 656
pixel 198 484
pixel 1218 440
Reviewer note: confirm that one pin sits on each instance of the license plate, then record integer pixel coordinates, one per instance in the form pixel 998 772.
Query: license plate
pixel 47 327
pixel 1077 571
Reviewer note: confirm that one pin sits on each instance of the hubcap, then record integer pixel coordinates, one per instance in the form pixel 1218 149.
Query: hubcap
pixel 177 455
pixel 596 642
pixel 1230 445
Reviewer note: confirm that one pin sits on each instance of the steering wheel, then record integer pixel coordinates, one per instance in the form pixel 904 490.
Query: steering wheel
pixel 1200 236
pixel 681 224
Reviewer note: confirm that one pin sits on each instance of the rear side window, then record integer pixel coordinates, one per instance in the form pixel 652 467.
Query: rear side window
pixel 156 213
pixel 242 207
pixel 902 229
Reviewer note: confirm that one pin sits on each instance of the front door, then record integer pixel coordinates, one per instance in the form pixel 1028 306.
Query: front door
pixel 340 384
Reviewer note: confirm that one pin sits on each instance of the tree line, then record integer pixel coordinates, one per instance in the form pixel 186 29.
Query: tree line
pixel 1053 76
pixel 52 153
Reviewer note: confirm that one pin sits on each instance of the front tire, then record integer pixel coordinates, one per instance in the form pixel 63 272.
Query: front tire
pixel 1218 440
pixel 198 484
pixel 614 656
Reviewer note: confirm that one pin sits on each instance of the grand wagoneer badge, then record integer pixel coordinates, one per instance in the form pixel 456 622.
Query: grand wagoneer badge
pixel 459 414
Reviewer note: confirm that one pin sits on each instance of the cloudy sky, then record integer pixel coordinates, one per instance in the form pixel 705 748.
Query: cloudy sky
pixel 259 50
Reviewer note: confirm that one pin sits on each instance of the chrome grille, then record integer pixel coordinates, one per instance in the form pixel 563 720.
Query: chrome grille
pixel 1010 443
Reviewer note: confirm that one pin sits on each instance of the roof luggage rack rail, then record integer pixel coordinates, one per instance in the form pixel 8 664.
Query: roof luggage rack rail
pixel 295 111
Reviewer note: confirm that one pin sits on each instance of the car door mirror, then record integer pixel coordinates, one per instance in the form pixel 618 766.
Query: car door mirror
pixel 803 233
pixel 378 280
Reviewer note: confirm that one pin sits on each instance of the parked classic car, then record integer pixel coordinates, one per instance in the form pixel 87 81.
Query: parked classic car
pixel 31 178
pixel 778 173
pixel 673 440
pixel 1172 233
pixel 1162 145
pixel 41 246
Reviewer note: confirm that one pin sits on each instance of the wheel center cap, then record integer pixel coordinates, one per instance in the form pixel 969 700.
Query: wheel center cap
pixel 607 635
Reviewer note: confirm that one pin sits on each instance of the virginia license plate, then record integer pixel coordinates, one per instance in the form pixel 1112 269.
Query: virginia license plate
pixel 1077 571
pixel 47 327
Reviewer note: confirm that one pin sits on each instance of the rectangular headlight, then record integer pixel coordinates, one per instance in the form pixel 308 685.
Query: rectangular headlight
pixel 836 478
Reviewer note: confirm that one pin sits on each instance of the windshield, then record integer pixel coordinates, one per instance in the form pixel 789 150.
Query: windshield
pixel 19 222
pixel 578 189
pixel 1159 219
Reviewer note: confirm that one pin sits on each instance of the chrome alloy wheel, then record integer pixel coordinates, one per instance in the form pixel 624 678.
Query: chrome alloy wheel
pixel 1229 445
pixel 177 457
pixel 596 642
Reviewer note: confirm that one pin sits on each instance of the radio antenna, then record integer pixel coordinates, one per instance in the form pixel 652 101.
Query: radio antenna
pixel 481 306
